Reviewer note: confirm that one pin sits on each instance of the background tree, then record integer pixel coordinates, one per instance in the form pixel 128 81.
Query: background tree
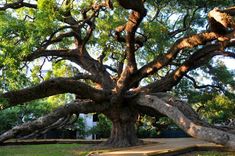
pixel 118 62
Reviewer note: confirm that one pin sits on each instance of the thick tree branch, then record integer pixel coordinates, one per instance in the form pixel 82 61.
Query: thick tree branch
pixel 186 118
pixel 136 5
pixel 82 59
pixel 95 67
pixel 60 123
pixel 139 40
pixel 230 11
pixel 76 107
pixel 190 42
pixel 83 76
pixel 79 55
pixel 229 54
pixel 135 18
pixel 196 60
pixel 53 87
pixel 220 22
pixel 163 60
pixel 52 39
pixel 66 13
pixel 17 5
pixel 65 53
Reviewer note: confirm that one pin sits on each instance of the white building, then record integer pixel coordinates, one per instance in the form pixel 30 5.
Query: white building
pixel 90 121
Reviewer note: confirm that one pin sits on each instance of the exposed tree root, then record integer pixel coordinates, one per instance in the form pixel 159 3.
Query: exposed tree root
pixel 186 118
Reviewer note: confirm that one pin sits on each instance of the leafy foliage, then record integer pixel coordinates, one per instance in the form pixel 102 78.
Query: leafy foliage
pixel 103 127
pixel 20 114
pixel 213 104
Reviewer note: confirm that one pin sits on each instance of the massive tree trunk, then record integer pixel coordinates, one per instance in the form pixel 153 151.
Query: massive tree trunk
pixel 123 132
pixel 187 119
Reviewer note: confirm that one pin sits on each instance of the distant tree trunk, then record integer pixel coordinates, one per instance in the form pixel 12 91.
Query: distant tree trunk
pixel 123 133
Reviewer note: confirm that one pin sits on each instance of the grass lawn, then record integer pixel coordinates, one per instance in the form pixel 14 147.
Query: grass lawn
pixel 209 153
pixel 44 150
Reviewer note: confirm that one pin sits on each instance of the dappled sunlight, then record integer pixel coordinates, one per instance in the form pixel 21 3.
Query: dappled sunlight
pixel 186 43
pixel 181 71
pixel 196 40
pixel 157 66
pixel 182 121
pixel 188 126
pixel 169 56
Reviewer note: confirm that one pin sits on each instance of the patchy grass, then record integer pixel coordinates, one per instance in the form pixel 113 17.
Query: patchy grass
pixel 209 153
pixel 44 150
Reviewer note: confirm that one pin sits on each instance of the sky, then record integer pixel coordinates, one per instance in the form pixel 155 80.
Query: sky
pixel 229 62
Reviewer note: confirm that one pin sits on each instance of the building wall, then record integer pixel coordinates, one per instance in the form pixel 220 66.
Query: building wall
pixel 88 120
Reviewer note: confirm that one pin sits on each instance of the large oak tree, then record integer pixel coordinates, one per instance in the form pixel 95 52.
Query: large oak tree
pixel 123 57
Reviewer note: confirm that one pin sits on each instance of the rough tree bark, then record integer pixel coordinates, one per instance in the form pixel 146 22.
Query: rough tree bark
pixel 123 133
pixel 185 117
pixel 54 119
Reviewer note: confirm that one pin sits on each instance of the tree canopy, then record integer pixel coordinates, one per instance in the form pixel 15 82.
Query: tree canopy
pixel 120 58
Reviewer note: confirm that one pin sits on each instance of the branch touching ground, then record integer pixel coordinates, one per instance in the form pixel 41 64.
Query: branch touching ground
pixel 53 119
pixel 187 119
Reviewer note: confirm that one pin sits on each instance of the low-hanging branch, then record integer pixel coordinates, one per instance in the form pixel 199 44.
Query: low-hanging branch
pixel 186 118
pixel 44 122
pixel 56 125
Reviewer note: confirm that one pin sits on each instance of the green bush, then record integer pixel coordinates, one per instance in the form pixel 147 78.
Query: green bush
pixel 79 126
pixel 103 127
pixel 19 114
pixel 143 132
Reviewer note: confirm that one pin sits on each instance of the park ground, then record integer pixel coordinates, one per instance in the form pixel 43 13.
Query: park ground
pixel 77 148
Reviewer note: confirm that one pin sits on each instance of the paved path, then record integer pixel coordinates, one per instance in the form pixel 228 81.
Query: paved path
pixel 160 146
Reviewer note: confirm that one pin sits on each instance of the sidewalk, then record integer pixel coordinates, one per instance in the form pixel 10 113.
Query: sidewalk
pixel 162 147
